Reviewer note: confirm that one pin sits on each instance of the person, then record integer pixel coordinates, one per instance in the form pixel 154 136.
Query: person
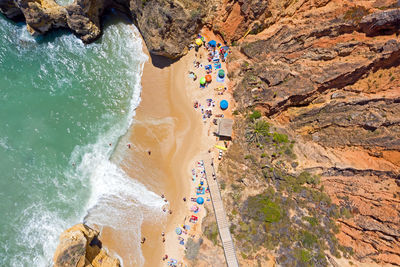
pixel 162 196
pixel 165 257
pixel 163 240
pixel 149 152
pixel 129 146
pixel 184 199
pixel 143 240
pixel 162 234
pixel 170 211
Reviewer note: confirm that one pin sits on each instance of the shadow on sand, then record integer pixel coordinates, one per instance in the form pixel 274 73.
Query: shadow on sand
pixel 161 61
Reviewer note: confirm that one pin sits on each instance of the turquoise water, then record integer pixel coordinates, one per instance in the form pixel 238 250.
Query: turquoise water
pixel 61 104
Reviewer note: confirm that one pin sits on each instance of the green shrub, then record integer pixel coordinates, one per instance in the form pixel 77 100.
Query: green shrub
pixel 257 132
pixel 280 138
pixel 261 208
pixel 211 232
pixel 303 255
pixel 222 184
pixel 311 220
pixel 345 213
pixel 255 115
pixel 308 239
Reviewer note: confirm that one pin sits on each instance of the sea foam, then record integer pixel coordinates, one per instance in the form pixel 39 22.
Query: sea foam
pixel 106 196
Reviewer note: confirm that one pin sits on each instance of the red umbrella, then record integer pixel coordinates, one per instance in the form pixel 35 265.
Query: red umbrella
pixel 208 78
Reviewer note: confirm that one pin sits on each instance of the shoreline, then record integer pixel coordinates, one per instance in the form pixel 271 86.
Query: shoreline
pixel 166 125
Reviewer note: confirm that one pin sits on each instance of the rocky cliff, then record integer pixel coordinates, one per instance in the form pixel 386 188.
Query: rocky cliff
pixel 167 26
pixel 80 247
pixel 327 74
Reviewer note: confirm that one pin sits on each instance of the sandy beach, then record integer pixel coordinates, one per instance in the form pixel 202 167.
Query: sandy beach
pixel 167 138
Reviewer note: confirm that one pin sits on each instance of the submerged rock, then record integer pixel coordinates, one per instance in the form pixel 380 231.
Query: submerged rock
pixel 79 246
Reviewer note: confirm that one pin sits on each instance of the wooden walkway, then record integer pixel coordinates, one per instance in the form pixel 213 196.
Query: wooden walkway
pixel 220 216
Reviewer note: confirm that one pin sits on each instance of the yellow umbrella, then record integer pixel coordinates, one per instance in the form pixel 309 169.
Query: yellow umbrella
pixel 199 42
pixel 221 147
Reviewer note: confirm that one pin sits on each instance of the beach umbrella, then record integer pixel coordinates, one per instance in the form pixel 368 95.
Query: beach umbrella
pixel 200 200
pixel 203 81
pixel 178 230
pixel 212 43
pixel 208 78
pixel 223 104
pixel 221 76
pixel 199 42
pixel 221 147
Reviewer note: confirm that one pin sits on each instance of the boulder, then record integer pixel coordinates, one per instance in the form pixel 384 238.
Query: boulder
pixel 80 247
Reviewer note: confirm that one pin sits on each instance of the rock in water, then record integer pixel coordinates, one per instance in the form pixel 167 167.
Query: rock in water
pixel 167 26
pixel 80 247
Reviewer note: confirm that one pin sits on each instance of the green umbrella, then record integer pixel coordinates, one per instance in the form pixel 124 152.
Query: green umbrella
pixel 203 81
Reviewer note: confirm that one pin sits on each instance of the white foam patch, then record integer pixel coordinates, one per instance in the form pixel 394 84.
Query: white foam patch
pixel 117 200
pixel 43 230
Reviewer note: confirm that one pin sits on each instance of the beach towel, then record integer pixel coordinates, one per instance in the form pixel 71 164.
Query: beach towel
pixel 217 66
pixel 200 191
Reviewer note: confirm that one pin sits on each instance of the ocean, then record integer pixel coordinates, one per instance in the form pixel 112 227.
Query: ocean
pixel 62 103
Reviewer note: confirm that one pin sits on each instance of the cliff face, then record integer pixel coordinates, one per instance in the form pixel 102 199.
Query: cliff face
pixel 80 247
pixel 327 72
pixel 167 26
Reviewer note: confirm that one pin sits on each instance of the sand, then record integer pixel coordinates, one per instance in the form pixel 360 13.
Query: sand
pixel 167 124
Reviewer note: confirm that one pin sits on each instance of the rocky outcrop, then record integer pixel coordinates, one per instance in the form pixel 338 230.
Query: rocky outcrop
pixel 372 228
pixel 385 22
pixel 167 26
pixel 80 247
pixel 10 9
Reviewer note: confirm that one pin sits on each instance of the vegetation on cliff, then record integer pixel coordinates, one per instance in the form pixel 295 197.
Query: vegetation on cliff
pixel 273 206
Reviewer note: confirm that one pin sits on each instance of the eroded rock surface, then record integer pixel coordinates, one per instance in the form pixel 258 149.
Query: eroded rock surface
pixel 167 26
pixel 80 247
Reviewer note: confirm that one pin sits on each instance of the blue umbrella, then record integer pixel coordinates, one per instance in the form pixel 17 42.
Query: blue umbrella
pixel 178 230
pixel 223 104
pixel 212 43
pixel 200 200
